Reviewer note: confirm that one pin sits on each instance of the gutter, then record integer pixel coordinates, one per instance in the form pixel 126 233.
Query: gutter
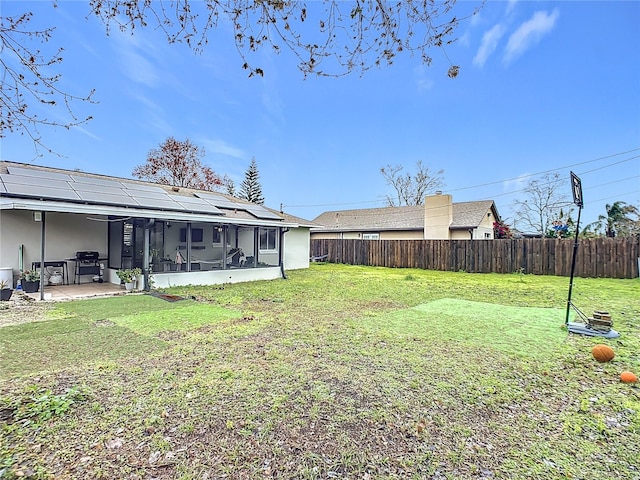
pixel 281 250
pixel 8 203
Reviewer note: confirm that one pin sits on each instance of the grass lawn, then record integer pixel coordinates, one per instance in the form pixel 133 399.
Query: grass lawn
pixel 337 372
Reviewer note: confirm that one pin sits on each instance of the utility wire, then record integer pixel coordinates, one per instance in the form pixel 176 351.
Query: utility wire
pixel 518 178
pixel 392 213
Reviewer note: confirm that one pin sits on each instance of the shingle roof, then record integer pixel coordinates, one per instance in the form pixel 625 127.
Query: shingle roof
pixel 469 214
pixel 386 218
pixel 465 215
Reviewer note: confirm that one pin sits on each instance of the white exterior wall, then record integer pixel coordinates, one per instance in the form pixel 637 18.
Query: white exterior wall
pixel 461 235
pixel 65 234
pixel 479 233
pixel 296 248
pixel 212 277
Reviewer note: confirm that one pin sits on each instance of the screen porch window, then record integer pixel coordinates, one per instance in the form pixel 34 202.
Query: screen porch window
pixel 268 239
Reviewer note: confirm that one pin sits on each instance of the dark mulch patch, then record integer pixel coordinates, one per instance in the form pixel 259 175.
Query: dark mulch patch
pixel 168 297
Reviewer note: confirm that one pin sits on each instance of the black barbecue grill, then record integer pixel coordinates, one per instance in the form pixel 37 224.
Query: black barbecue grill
pixel 88 263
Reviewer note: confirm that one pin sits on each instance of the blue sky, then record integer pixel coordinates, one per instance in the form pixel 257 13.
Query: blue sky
pixel 542 85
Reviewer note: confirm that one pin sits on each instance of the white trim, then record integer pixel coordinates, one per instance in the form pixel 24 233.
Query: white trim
pixel 62 207
pixel 268 250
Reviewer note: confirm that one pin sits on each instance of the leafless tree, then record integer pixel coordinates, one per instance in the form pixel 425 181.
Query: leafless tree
pixel 545 200
pixel 328 38
pixel 178 163
pixel 410 189
pixel 350 36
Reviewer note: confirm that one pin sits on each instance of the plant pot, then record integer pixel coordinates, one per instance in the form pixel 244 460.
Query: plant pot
pixel 129 286
pixel 30 287
pixel 5 294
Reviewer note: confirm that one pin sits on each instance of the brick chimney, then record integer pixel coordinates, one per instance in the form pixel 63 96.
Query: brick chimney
pixel 438 215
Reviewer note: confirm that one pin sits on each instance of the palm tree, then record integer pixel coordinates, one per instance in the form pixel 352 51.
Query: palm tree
pixel 619 220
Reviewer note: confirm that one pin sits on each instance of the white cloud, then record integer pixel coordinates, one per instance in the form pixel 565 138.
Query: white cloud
pixel 422 80
pixel 140 59
pixel 489 43
pixel 465 39
pixel 86 132
pixel 222 148
pixel 516 184
pixel 511 4
pixel 530 33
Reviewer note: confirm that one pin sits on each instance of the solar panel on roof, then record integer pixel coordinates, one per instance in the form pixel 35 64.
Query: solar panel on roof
pixel 38 173
pixel 185 199
pixel 39 192
pixel 219 201
pixel 2 187
pixel 161 202
pixel 261 212
pixel 145 188
pixel 86 187
pixel 201 207
pixel 107 198
pixel 164 204
pixel 96 181
pixel 148 194
pixel 36 182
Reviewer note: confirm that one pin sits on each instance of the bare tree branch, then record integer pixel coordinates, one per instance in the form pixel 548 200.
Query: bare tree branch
pixel 25 78
pixel 545 199
pixel 340 38
pixel 411 189
pixel 332 38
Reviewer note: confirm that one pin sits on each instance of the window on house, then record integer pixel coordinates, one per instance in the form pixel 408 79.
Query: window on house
pixel 268 238
pixel 371 236
pixel 487 236
pixel 217 234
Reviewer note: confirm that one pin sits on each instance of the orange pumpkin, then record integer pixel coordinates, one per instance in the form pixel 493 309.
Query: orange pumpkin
pixel 628 377
pixel 602 353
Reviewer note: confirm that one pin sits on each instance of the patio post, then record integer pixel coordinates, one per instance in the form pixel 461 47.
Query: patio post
pixel 145 253
pixel 42 222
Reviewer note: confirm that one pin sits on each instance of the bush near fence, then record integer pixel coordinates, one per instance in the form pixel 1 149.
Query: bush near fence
pixel 596 257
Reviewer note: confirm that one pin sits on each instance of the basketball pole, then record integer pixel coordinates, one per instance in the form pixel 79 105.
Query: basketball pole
pixel 573 263
pixel 578 327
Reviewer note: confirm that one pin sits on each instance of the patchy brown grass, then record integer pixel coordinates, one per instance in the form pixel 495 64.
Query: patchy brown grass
pixel 332 374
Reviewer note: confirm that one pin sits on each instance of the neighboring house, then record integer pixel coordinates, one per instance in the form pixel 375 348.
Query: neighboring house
pixel 438 219
pixel 184 236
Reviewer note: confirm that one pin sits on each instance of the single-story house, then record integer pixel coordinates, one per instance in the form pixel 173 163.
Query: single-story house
pixel 438 219
pixel 93 225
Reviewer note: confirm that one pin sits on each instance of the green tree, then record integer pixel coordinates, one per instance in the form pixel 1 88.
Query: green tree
pixel 250 188
pixel 621 220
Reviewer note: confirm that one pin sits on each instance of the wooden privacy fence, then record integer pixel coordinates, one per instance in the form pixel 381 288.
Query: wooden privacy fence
pixel 597 257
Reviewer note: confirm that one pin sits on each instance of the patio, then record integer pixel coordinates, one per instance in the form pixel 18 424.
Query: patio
pixel 74 292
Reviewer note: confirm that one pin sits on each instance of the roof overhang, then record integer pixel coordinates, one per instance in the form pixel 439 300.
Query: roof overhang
pixel 32 204
pixel 367 229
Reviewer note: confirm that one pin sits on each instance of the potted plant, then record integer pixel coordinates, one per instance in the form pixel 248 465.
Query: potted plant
pixel 30 280
pixel 5 290
pixel 128 276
